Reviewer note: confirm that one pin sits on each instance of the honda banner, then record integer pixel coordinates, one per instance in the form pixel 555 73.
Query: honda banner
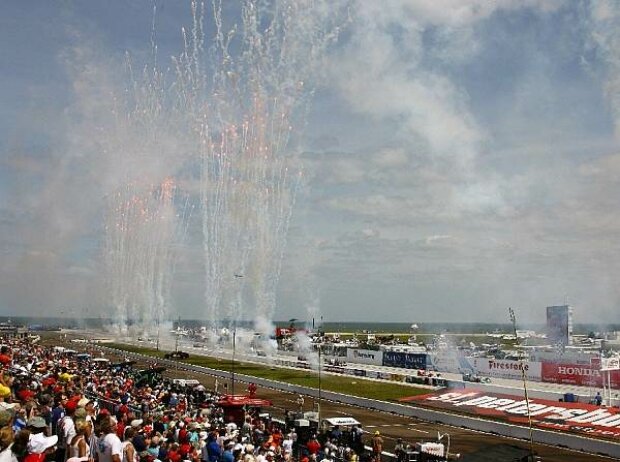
pixel 578 374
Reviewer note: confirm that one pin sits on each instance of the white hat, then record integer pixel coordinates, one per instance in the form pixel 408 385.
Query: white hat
pixel 38 443
pixel 203 435
pixel 83 402
pixel 7 406
pixel 136 423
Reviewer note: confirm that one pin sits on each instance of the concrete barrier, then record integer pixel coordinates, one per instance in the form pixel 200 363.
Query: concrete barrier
pixel 570 441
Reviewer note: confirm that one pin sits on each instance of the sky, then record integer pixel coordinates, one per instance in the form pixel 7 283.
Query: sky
pixel 459 157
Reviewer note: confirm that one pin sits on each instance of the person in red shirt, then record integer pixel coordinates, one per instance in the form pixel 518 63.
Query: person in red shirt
pixel 40 446
pixel 252 389
pixel 313 445
pixel 277 437
pixel 5 356
pixel 174 454
pixel 120 426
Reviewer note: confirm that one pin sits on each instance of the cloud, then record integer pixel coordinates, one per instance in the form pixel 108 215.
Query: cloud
pixel 604 23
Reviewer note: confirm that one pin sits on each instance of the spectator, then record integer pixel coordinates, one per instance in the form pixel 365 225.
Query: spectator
pixel 128 450
pixel 400 450
pixel 313 445
pixel 110 448
pixel 598 399
pixel 37 425
pixel 6 357
pixel 40 446
pixel 79 444
pixel 377 446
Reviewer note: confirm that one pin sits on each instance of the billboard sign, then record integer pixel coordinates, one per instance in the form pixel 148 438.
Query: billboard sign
pixel 506 368
pixel 358 356
pixel 573 374
pixel 405 360
pixel 582 418
pixel 610 364
pixel 579 374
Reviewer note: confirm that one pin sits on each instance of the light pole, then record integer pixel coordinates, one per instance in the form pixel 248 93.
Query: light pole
pixel 233 359
pixel 513 319
pixel 239 277
pixel 157 344
pixel 319 401
pixel 320 345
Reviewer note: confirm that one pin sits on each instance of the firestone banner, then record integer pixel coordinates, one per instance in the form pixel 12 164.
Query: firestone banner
pixel 507 369
pixel 579 418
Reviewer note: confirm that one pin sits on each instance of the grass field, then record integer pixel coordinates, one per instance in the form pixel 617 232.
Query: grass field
pixel 349 385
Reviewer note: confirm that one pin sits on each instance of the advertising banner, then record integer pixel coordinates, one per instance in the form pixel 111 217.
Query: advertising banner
pixel 358 356
pixel 610 364
pixel 447 360
pixel 586 419
pixel 405 360
pixel 506 368
pixel 574 374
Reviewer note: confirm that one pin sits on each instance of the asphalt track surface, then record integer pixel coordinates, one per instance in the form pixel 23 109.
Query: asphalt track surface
pixel 391 426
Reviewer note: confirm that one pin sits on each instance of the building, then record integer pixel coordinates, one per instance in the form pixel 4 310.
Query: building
pixel 7 329
pixel 560 325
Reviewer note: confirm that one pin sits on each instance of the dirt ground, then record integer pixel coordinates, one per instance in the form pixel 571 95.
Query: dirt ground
pixel 392 426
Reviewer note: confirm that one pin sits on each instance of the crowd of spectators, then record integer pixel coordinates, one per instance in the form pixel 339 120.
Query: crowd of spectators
pixel 69 408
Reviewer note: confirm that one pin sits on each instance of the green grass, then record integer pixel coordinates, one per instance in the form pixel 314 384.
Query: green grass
pixel 349 385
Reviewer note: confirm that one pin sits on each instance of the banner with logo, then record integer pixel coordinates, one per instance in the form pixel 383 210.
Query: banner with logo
pixel 610 364
pixel 586 419
pixel 405 360
pixel 506 368
pixel 358 356
pixel 578 374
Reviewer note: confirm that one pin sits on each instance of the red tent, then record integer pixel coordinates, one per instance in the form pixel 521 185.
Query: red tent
pixel 235 405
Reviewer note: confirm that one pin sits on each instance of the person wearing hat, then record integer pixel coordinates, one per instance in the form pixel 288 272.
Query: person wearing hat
pixel 66 430
pixel 377 446
pixel 300 403
pixel 36 425
pixel 6 418
pixel 400 450
pixel 39 446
